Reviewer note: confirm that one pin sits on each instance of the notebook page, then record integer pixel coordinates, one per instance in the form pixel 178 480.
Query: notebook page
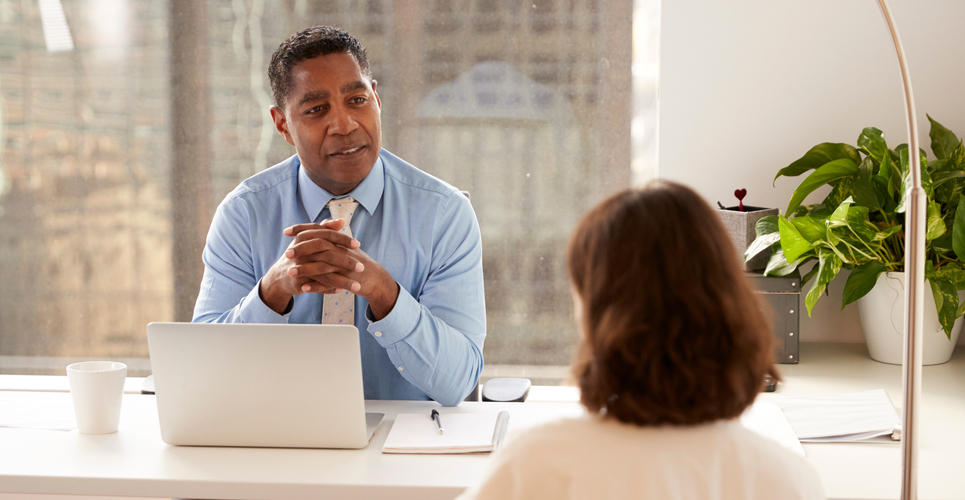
pixel 464 432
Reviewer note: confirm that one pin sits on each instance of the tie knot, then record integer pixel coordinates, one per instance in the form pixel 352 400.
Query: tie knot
pixel 343 208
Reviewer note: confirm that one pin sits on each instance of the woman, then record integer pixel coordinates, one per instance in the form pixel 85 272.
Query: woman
pixel 674 348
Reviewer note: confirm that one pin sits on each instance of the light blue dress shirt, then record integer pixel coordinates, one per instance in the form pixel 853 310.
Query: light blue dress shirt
pixel 420 229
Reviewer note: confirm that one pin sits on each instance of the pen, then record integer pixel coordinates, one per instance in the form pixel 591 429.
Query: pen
pixel 438 419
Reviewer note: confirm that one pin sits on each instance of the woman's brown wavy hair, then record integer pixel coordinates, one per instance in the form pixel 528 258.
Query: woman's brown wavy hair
pixel 672 330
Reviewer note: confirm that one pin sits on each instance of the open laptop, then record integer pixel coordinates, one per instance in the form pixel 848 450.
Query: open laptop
pixel 286 386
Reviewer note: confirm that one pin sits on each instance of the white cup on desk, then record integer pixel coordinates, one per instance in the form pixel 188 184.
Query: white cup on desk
pixel 97 388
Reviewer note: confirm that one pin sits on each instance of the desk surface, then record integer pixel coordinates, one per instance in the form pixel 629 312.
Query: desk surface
pixel 135 462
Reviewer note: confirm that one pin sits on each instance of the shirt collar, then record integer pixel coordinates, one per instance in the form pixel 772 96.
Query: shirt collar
pixel 367 193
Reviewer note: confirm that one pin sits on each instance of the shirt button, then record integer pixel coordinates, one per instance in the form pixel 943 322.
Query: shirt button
pixel 401 369
pixel 378 334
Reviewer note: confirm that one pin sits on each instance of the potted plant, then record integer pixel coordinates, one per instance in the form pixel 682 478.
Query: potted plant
pixel 859 226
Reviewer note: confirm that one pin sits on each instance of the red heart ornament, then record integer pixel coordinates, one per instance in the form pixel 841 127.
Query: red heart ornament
pixel 740 194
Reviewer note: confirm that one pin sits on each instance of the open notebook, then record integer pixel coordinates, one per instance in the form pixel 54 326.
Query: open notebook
pixel 464 433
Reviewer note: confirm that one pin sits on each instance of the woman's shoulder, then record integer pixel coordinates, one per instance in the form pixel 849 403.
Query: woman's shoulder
pixel 775 469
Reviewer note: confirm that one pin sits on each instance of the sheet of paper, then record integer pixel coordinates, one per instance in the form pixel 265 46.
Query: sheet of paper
pixel 768 420
pixel 852 417
pixel 55 412
pixel 464 432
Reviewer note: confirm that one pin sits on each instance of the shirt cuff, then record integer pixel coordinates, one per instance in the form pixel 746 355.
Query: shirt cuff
pixel 254 310
pixel 399 323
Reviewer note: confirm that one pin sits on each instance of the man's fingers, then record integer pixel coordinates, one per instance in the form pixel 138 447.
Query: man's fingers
pixel 333 224
pixel 315 287
pixel 334 281
pixel 320 249
pixel 326 236
pixel 333 263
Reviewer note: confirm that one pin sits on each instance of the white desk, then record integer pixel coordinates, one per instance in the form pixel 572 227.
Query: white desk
pixel 134 462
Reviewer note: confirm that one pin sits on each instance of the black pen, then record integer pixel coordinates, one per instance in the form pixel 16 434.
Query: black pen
pixel 436 417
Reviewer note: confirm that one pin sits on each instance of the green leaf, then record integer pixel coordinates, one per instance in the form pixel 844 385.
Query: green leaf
pixel 820 155
pixel 842 190
pixel 811 229
pixel 859 223
pixel 792 242
pixel 840 216
pixel 946 301
pixel 766 225
pixel 941 177
pixel 862 279
pixel 935 225
pixel 943 141
pixel 890 173
pixel 760 244
pixel 826 173
pixel 961 310
pixel 958 229
pixel 888 232
pixel 778 265
pixel 943 244
pixel 957 158
pixel 830 265
pixel 865 192
pixel 872 141
pixel 954 274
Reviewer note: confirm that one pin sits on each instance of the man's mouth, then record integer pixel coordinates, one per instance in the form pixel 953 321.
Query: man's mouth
pixel 347 151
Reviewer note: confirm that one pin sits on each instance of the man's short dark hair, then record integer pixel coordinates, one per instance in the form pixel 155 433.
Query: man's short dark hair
pixel 309 44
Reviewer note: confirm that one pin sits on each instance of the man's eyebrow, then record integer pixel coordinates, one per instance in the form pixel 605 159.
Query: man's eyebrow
pixel 352 87
pixel 315 95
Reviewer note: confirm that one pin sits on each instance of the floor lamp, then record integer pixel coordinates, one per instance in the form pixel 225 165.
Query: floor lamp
pixel 914 293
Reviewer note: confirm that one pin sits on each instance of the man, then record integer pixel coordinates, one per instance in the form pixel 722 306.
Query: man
pixel 346 222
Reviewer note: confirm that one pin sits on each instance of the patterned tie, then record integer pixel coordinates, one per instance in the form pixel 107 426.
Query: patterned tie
pixel 339 308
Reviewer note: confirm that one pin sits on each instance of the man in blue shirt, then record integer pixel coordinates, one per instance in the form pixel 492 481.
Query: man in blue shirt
pixel 407 267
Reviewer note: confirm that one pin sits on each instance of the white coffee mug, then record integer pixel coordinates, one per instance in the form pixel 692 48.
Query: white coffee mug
pixel 97 388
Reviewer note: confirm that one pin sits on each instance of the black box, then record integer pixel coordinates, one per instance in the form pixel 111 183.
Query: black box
pixel 783 293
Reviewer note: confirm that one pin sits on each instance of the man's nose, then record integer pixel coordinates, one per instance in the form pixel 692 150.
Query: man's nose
pixel 342 121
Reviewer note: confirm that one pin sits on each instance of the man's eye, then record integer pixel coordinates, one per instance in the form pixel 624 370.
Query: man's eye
pixel 358 100
pixel 316 109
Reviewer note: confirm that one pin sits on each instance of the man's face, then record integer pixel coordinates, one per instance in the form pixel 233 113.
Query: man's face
pixel 333 118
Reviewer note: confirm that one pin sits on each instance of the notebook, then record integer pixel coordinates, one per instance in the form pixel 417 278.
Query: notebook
pixel 865 416
pixel 286 386
pixel 464 433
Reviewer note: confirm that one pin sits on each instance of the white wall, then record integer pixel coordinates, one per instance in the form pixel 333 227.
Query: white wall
pixel 748 87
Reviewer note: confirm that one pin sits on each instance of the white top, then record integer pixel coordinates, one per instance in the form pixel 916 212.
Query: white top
pixel 591 457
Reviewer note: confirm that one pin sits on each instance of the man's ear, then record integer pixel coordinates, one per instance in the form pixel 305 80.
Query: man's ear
pixel 281 123
pixel 377 100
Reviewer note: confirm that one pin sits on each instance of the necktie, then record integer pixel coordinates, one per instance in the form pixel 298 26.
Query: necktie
pixel 339 308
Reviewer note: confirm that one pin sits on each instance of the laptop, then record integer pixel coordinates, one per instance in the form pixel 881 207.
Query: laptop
pixel 285 386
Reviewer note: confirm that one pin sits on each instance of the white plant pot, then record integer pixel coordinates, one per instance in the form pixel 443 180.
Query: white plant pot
pixel 883 320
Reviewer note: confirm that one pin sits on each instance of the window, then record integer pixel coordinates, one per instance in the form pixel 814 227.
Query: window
pixel 118 146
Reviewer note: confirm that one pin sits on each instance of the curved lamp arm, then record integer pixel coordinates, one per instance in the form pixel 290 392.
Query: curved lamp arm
pixel 914 292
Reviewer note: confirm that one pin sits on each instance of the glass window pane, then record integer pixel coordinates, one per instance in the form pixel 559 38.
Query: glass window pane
pixel 526 105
